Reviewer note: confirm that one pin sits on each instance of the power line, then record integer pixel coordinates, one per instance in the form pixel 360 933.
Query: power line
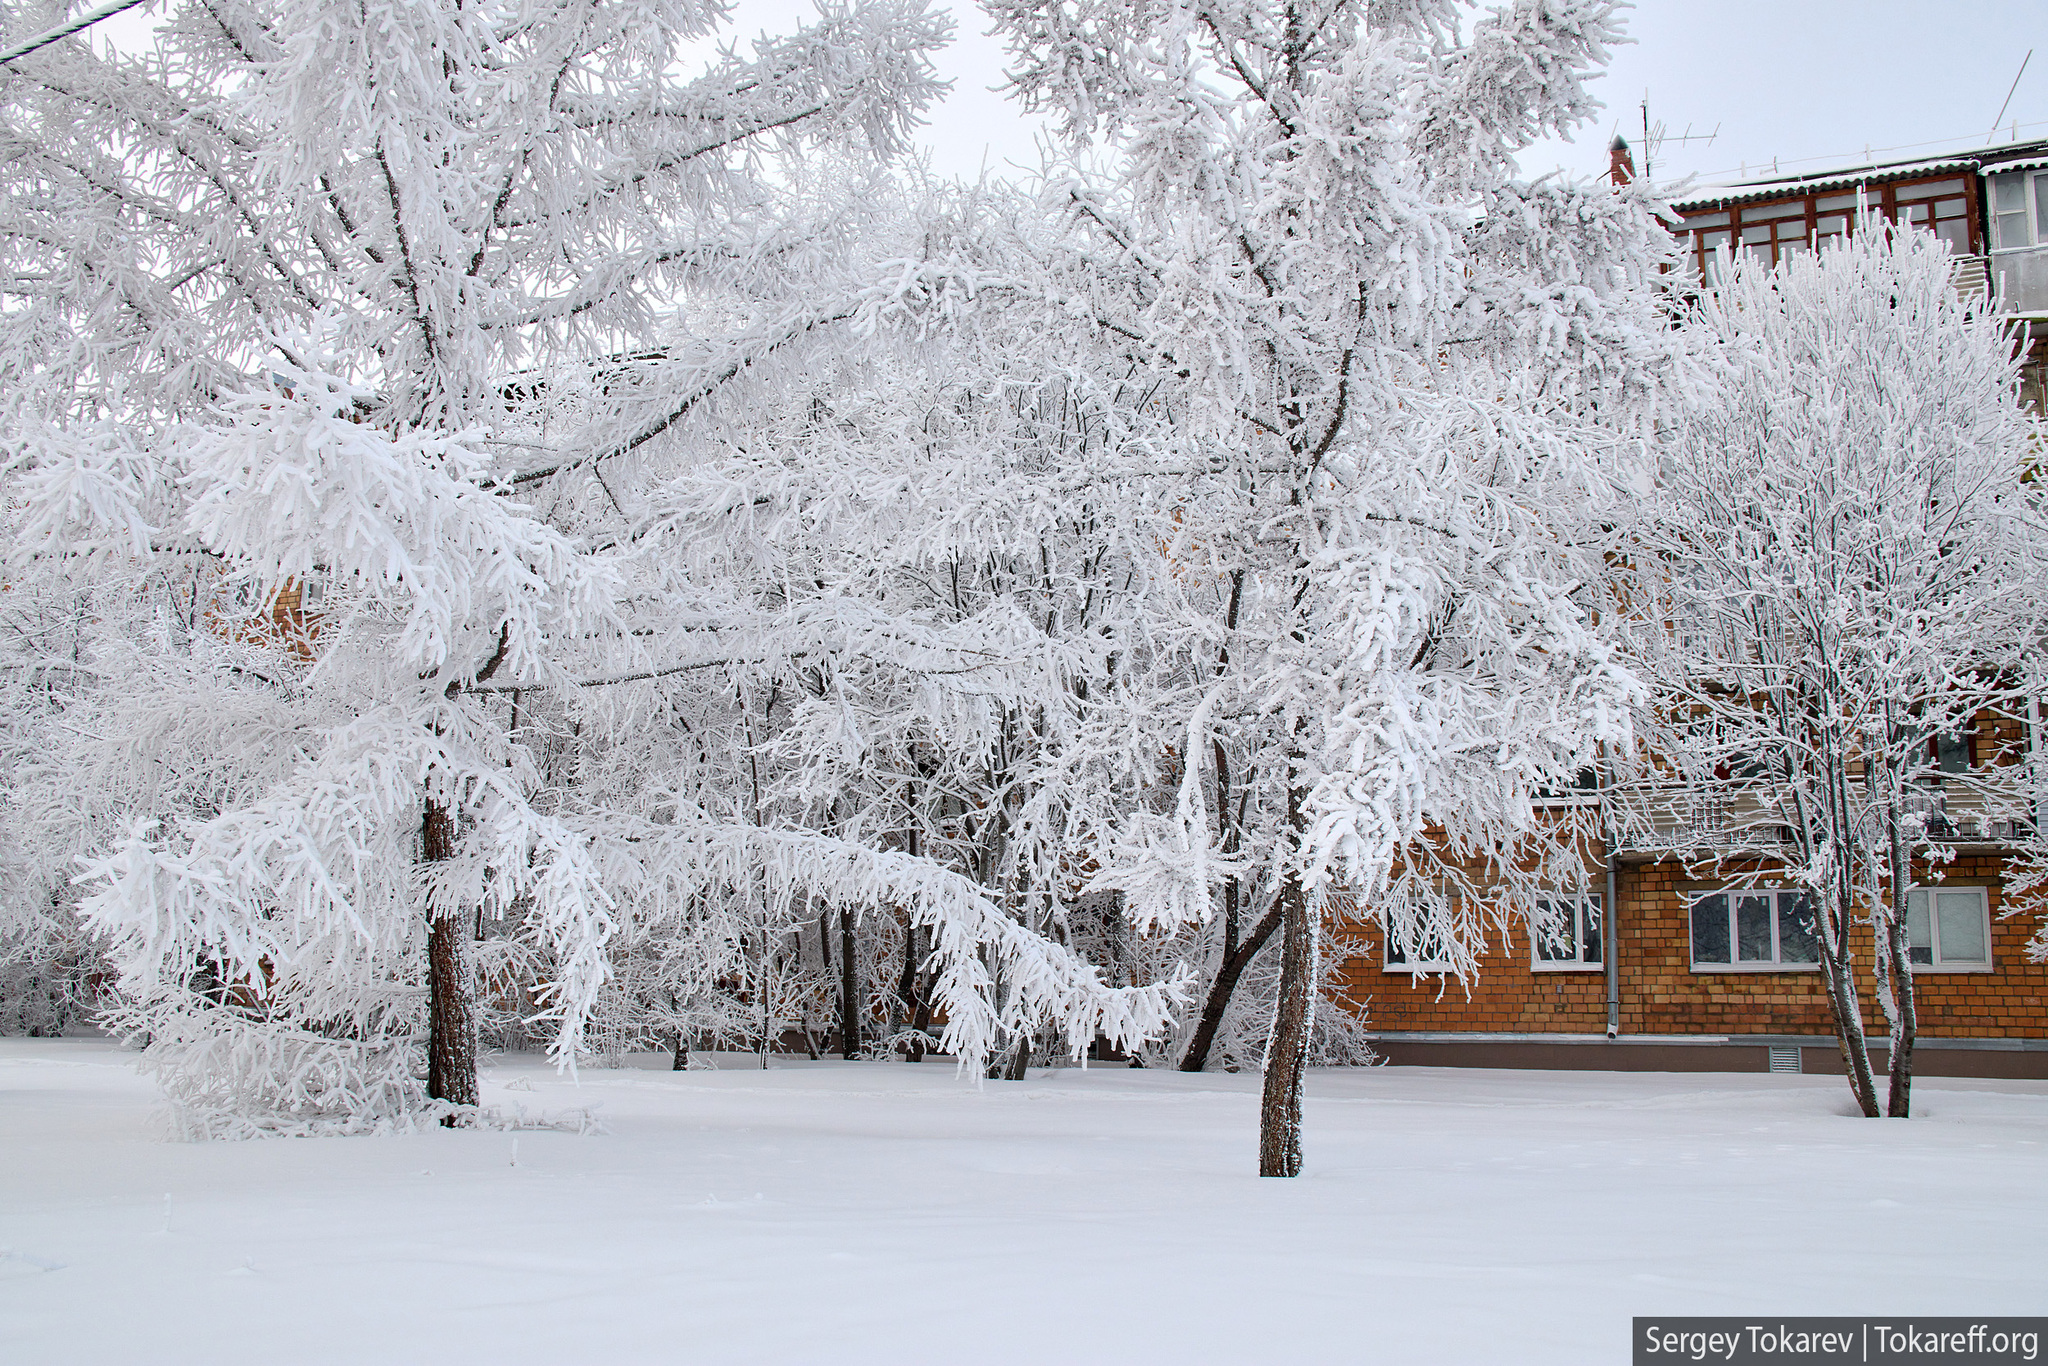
pixel 63 31
pixel 1868 152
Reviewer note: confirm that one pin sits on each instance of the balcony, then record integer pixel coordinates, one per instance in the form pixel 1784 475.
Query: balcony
pixel 1652 820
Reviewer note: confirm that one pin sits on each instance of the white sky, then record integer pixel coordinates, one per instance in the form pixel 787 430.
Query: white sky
pixel 1811 83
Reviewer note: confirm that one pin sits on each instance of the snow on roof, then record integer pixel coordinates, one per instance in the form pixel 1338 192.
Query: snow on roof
pixel 2001 167
pixel 1778 187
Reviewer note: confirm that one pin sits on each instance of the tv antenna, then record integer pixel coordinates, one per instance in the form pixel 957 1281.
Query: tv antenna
pixel 1655 135
pixel 2008 96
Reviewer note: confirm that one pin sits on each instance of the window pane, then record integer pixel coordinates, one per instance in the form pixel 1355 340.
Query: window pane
pixel 1710 929
pixel 2041 205
pixel 1837 201
pixel 1798 941
pixel 1914 213
pixel 1589 928
pixel 1554 937
pixel 1928 189
pixel 1919 934
pixel 2012 229
pixel 1707 220
pixel 1955 232
pixel 1952 753
pixel 1753 928
pixel 2008 192
pixel 1961 918
pixel 1758 232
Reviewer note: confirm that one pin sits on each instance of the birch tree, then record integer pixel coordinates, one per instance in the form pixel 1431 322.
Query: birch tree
pixel 1845 555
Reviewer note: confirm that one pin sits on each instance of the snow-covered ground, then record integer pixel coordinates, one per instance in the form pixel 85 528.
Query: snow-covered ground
pixel 889 1212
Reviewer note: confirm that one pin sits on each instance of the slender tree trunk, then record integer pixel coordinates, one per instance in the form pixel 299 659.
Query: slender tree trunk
pixel 915 1011
pixel 1901 1009
pixel 849 989
pixel 1236 958
pixel 451 982
pixel 681 1061
pixel 1840 978
pixel 1287 1050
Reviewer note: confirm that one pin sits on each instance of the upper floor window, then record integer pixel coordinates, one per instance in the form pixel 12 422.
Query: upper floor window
pixel 1769 232
pixel 1948 929
pixel 2019 210
pixel 1566 931
pixel 1754 929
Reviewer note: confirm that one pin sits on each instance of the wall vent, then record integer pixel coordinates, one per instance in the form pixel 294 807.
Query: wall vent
pixel 1784 1059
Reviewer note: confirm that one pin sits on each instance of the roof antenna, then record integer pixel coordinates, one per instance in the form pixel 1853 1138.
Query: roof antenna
pixel 2008 95
pixel 1655 135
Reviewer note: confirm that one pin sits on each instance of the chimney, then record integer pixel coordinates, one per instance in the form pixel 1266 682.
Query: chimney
pixel 1621 167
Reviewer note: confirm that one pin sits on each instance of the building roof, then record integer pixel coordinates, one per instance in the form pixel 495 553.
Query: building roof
pixel 2010 156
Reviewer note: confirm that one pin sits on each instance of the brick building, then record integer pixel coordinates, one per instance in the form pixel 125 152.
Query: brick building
pixel 1702 964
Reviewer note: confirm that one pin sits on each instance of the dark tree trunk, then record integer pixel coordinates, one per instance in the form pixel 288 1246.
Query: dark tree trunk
pixel 1017 1067
pixel 849 989
pixel 681 1061
pixel 915 1010
pixel 1235 960
pixel 451 981
pixel 1287 1051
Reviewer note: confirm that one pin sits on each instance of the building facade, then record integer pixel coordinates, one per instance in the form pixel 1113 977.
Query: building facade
pixel 1685 948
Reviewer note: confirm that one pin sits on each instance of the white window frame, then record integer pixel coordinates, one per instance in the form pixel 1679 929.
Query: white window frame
pixel 1422 967
pixel 1939 963
pixel 2033 195
pixel 1579 902
pixel 1776 963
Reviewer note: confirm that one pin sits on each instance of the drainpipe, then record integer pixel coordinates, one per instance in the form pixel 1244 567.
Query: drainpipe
pixel 2033 754
pixel 1613 943
pixel 1610 918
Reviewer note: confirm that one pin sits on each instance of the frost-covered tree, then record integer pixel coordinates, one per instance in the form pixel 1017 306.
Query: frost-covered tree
pixel 1386 389
pixel 1843 565
pixel 288 295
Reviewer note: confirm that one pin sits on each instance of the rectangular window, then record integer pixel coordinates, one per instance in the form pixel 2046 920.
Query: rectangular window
pixel 1951 753
pixel 1953 934
pixel 1566 931
pixel 1753 929
pixel 2009 211
pixel 1430 956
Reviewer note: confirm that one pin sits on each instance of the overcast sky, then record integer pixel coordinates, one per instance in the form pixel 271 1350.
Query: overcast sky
pixel 1811 83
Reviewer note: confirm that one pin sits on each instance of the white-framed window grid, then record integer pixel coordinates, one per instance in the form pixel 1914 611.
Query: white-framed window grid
pixel 2019 209
pixel 1431 958
pixel 1753 929
pixel 1948 929
pixel 1566 935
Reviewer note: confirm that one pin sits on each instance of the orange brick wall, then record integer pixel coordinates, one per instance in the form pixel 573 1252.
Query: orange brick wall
pixel 1661 994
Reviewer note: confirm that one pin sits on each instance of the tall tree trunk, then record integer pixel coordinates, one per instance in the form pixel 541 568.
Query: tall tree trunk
pixel 915 1012
pixel 849 989
pixel 451 981
pixel 1236 959
pixel 1839 975
pixel 1894 949
pixel 1287 1050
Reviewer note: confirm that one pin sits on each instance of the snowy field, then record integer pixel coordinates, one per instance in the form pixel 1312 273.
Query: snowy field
pixel 889 1212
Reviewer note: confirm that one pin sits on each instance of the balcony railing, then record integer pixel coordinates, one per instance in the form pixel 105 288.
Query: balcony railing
pixel 1653 818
